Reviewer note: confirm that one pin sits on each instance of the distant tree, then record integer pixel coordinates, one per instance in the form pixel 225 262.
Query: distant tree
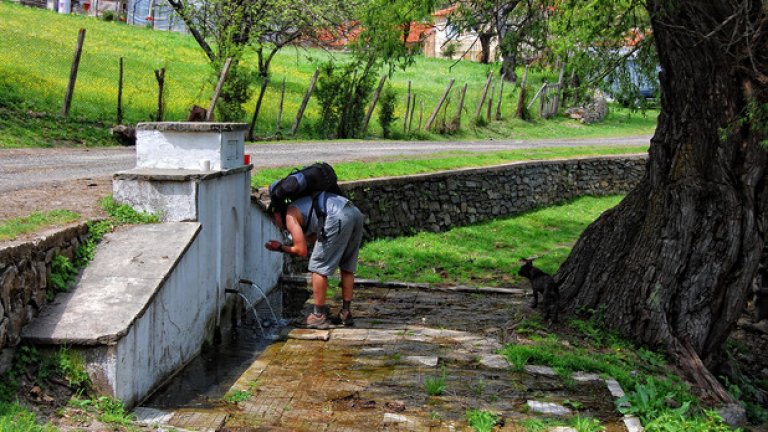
pixel 384 26
pixel 615 53
pixel 315 22
pixel 224 28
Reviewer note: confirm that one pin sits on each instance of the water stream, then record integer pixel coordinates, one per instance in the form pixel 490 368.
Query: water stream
pixel 205 380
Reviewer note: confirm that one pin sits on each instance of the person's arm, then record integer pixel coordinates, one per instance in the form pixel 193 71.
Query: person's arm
pixel 293 221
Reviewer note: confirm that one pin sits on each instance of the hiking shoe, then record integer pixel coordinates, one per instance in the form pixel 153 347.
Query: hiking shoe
pixel 315 321
pixel 345 318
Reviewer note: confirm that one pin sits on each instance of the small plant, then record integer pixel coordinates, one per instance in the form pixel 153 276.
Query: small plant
pixel 124 214
pixel 481 421
pixel 587 424
pixel 435 386
pixel 676 420
pixel 14 418
pixel 63 273
pixel 237 396
pixel 576 405
pixel 647 401
pixel 113 411
pixel 108 410
pixel 519 356
pixel 396 356
pixel 71 364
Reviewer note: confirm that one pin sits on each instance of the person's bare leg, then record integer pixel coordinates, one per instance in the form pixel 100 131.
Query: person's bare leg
pixel 347 283
pixel 319 289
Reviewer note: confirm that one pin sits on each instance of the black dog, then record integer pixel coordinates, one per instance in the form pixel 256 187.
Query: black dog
pixel 542 283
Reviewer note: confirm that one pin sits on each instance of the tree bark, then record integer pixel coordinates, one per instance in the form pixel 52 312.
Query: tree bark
pixel 485 47
pixel 672 265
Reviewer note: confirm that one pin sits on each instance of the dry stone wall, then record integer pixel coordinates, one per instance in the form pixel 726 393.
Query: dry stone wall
pixel 24 271
pixel 437 202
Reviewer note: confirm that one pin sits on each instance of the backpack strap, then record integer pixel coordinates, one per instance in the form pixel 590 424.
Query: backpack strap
pixel 319 206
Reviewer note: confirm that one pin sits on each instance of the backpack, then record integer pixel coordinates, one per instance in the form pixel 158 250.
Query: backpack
pixel 312 180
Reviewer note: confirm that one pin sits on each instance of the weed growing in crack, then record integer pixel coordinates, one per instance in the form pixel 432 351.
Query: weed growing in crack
pixel 481 421
pixel 435 386
pixel 236 396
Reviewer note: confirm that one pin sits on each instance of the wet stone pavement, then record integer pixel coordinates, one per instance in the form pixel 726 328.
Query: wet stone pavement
pixel 371 377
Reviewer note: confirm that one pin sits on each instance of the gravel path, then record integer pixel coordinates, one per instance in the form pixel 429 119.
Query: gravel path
pixel 44 179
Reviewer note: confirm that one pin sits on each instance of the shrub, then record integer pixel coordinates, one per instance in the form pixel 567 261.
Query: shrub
pixel 450 49
pixel 387 111
pixel 343 93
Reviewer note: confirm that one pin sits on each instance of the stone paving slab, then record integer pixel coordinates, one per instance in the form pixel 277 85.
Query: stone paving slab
pixel 198 420
pixel 549 408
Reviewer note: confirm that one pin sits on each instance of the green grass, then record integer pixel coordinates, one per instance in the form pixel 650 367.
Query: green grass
pixel 408 165
pixel 487 253
pixel 45 41
pixel 10 229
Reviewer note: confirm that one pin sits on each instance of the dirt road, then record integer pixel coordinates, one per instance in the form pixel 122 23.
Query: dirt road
pixel 45 179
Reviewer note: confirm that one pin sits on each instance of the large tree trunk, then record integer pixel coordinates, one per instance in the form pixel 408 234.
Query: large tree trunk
pixel 673 264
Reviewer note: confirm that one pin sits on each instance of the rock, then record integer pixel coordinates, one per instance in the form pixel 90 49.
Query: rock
pixel 6 360
pixel 733 415
pixel 593 112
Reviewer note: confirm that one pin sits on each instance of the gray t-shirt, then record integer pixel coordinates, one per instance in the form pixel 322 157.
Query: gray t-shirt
pixel 334 204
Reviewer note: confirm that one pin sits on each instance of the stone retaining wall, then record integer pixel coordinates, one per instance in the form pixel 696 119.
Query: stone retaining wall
pixel 437 202
pixel 397 206
pixel 24 271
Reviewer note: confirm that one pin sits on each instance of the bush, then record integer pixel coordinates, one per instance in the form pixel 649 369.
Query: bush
pixel 343 93
pixel 234 93
pixel 450 49
pixel 387 111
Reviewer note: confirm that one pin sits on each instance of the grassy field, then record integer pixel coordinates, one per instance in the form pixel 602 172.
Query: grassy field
pixel 485 254
pixel 45 41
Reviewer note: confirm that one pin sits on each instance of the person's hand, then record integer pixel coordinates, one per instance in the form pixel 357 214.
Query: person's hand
pixel 273 245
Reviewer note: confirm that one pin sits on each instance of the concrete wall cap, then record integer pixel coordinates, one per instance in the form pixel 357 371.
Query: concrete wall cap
pixel 191 127
pixel 179 175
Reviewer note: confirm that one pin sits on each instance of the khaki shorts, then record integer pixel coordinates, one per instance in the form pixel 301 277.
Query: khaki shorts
pixel 344 233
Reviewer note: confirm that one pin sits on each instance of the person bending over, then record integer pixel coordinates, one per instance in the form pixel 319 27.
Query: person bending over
pixel 337 244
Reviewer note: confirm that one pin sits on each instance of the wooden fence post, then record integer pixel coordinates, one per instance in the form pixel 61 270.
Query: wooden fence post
pixel 304 102
pixel 407 108
pixel 457 119
pixel 120 94
pixel 217 91
pixel 556 103
pixel 258 108
pixel 437 108
pixel 160 76
pixel 421 112
pixel 373 104
pixel 490 102
pixel 413 110
pixel 280 109
pixel 498 104
pixel 543 87
pixel 482 96
pixel 73 73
